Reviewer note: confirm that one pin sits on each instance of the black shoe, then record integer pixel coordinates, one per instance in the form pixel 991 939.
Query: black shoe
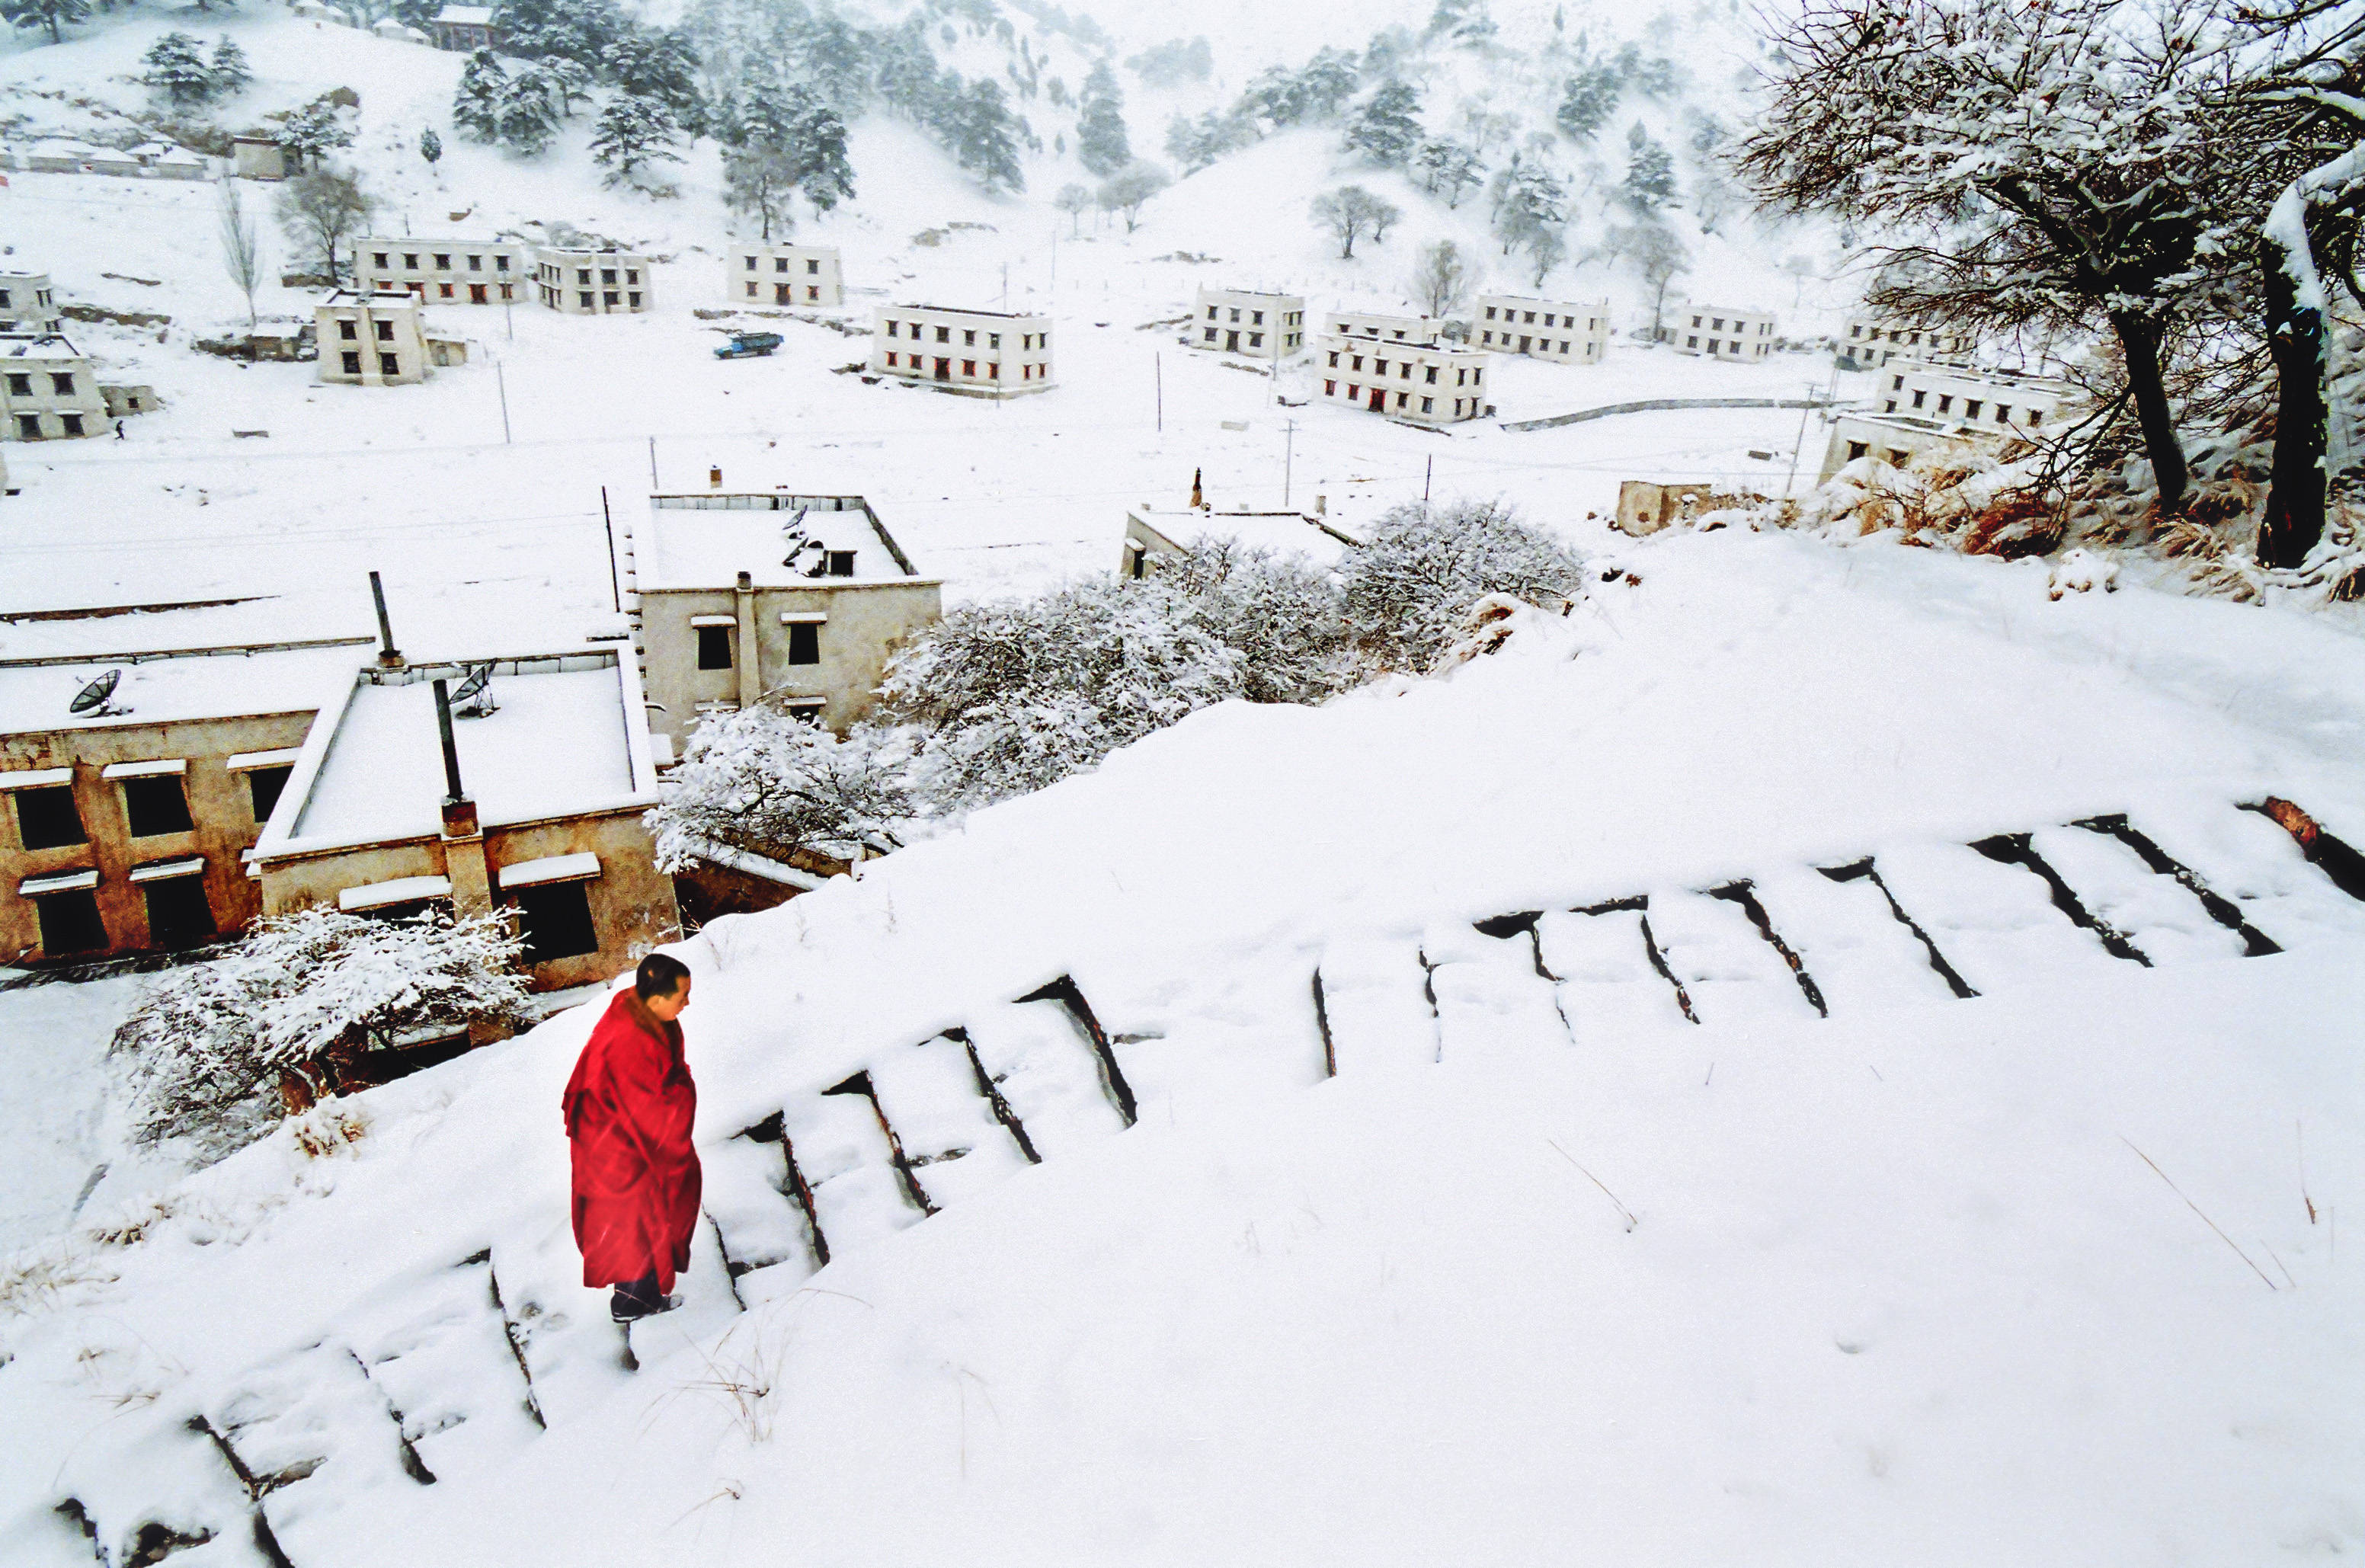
pixel 639 1300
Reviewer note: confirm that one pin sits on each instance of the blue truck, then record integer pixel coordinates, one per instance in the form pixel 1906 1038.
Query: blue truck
pixel 748 345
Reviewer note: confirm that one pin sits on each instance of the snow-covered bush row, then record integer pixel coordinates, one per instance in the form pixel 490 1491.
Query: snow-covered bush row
pixel 1006 697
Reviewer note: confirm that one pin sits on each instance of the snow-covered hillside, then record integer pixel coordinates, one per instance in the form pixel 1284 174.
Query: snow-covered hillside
pixel 1439 1229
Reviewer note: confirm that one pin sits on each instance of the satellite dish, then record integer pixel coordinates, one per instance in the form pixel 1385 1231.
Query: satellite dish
pixel 792 533
pixel 91 700
pixel 474 700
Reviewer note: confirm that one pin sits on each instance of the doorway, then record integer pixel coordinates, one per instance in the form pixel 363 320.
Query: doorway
pixel 1379 400
pixel 1231 342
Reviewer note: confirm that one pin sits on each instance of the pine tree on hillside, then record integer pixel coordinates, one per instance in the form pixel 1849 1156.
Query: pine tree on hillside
pixel 978 129
pixel 227 67
pixel 1650 182
pixel 1590 99
pixel 570 84
pixel 758 182
pixel 1101 140
pixel 1330 79
pixel 1529 201
pixel 476 106
pixel 835 59
pixel 1387 129
pixel 176 67
pixel 54 15
pixel 430 146
pixel 529 111
pixel 907 75
pixel 632 133
pixel 315 130
pixel 823 171
pixel 661 67
pixel 1447 169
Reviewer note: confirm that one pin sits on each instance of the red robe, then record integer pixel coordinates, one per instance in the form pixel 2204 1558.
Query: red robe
pixel 629 1108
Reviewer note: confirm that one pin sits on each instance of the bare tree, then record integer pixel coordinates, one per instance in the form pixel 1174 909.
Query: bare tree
pixel 1072 200
pixel 1441 278
pixel 242 244
pixel 1658 257
pixel 321 209
pixel 1547 248
pixel 1351 212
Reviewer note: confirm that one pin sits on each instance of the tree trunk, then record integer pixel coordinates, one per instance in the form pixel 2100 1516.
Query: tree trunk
pixel 2294 515
pixel 2139 341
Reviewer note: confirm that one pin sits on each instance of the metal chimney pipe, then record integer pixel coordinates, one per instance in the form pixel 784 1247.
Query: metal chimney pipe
pixel 388 652
pixel 454 794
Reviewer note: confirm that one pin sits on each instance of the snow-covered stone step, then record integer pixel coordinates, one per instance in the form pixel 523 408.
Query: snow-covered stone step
pixel 1044 1062
pixel 2247 859
pixel 574 1357
pixel 1490 991
pixel 1375 1005
pixel 1997 925
pixel 751 1196
pixel 953 1142
pixel 2164 920
pixel 1724 964
pixel 312 1430
pixel 1610 986
pixel 438 1350
pixel 859 1197
pixel 1843 928
pixel 155 1485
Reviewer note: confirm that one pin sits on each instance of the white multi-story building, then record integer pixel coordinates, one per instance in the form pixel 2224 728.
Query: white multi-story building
pixel 593 283
pixel 1243 322
pixel 465 272
pixel 48 391
pixel 1544 329
pixel 370 340
pixel 981 352
pixel 1426 383
pixel 1996 400
pixel 1387 328
pixel 783 275
pixel 1871 343
pixel 1723 333
pixel 26 303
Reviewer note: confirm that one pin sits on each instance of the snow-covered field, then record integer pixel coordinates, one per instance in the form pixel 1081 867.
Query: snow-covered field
pixel 1545 1273
pixel 1391 1206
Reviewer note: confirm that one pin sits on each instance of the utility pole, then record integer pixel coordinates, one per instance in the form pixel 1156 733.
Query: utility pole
pixel 508 320
pixel 1288 453
pixel 501 381
pixel 1799 445
pixel 615 585
pixel 1157 371
pixel 652 465
pixel 1427 472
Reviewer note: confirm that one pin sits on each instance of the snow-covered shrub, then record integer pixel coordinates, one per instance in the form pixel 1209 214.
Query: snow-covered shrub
pixel 1013 695
pixel 216 1051
pixel 1282 614
pixel 765 781
pixel 1409 590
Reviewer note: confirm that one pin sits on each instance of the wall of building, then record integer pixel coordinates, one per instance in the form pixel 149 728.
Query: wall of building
pixel 631 903
pixel 783 276
pixel 1998 402
pixel 33 408
pixel 28 303
pixel 1870 343
pixel 593 283
pixel 1261 326
pixel 1543 328
pixel 868 624
pixel 465 272
pixel 975 351
pixel 1722 332
pixel 1426 386
pixel 377 330
pixel 220 807
pixel 1387 329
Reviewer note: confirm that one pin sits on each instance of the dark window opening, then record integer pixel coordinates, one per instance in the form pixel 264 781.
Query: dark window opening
pixel 841 562
pixel 178 914
pixel 46 819
pixel 264 785
pixel 804 642
pixel 556 922
pixel 70 922
pixel 715 647
pixel 156 805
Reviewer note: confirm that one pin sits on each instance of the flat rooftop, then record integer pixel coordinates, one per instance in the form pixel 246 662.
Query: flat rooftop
pixel 1282 533
pixel 779 540
pixel 561 743
pixel 38 345
pixel 36 697
pixel 966 311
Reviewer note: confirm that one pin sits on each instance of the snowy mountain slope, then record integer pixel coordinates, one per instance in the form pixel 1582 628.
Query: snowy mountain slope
pixel 1546 1266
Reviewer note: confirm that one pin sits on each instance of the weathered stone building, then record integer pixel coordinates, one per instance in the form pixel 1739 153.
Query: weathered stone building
pixel 783 275
pixel 1244 321
pixel 1424 383
pixel 1719 331
pixel 370 340
pixel 740 598
pixel 1544 329
pixel 593 283
pixel 48 391
pixel 28 304
pixel 986 354
pixel 465 272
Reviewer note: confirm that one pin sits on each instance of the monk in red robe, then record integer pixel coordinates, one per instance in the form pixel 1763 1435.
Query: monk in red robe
pixel 629 1109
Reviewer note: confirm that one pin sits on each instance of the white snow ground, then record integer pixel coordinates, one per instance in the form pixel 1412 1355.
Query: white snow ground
pixel 1545 1274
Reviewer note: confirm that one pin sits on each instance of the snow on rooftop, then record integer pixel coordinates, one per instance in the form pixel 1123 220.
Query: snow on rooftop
pixel 557 745
pixel 48 346
pixel 153 690
pixel 1286 532
pixel 706 541
pixel 466 15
